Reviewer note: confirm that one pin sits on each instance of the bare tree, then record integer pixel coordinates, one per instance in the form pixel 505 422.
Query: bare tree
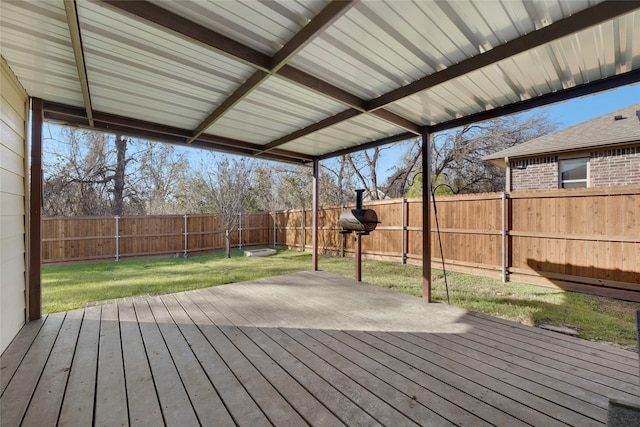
pixel 365 166
pixel 224 185
pixel 458 154
pixel 162 175
pixel 337 184
pixel 403 174
pixel 86 174
pixel 118 176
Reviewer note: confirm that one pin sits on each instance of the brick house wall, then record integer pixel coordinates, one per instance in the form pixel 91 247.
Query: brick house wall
pixel 619 166
pixel 540 173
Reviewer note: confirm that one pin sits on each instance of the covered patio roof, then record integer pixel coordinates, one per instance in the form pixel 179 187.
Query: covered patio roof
pixel 299 81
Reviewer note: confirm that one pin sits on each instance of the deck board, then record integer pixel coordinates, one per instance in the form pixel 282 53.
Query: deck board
pixel 262 391
pixel 13 355
pixel 53 381
pixel 142 400
pixel 242 408
pixel 206 402
pixel 614 367
pixel 309 348
pixel 111 393
pixel 425 400
pixel 78 404
pixel 446 384
pixel 541 399
pixel 174 400
pixel 584 401
pixel 596 372
pixel 17 396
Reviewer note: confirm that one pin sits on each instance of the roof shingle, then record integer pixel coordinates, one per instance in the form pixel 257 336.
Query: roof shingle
pixel 616 128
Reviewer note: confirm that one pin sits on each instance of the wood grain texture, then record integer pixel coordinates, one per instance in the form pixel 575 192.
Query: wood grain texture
pixel 309 348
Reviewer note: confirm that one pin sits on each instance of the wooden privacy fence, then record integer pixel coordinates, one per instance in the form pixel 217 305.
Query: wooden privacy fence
pixel 585 240
pixel 74 239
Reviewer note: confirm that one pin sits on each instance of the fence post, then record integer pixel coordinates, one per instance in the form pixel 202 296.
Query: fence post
pixel 504 233
pixel 403 231
pixel 240 231
pixel 117 238
pixel 304 237
pixel 342 236
pixel 275 230
pixel 186 233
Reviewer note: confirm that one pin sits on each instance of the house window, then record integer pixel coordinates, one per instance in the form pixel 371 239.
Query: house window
pixel 574 173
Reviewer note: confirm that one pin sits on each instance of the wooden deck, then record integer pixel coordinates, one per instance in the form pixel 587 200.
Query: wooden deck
pixel 304 349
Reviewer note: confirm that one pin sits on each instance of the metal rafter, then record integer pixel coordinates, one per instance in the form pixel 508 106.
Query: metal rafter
pixel 629 78
pixel 275 65
pixel 327 16
pixel 106 122
pixel 78 52
pixel 582 20
pixel 323 20
pixel 238 95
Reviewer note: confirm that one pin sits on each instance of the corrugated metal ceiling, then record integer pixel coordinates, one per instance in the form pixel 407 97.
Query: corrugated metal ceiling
pixel 304 79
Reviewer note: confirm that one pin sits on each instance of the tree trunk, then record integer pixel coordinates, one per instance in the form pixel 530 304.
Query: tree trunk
pixel 119 176
pixel 227 249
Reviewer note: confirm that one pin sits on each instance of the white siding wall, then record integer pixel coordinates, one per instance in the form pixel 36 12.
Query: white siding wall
pixel 13 181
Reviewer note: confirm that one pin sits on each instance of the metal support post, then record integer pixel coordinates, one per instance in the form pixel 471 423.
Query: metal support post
pixel 314 232
pixel 358 257
pixel 426 216
pixel 504 232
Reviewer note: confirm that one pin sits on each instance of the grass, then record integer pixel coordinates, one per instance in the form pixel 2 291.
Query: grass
pixel 68 287
pixel 595 318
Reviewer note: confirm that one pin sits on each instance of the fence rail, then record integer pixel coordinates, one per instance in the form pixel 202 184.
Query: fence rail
pixel 584 239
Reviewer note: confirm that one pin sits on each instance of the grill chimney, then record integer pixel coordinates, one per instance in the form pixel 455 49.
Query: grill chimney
pixel 359 199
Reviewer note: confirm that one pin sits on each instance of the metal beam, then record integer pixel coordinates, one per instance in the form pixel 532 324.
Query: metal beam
pixel 272 65
pixel 327 16
pixel 628 78
pixel 223 44
pixel 329 121
pixel 105 122
pixel 323 20
pixel 373 144
pixel 242 92
pixel 78 53
pixel 608 83
pixel 584 19
pixel 308 81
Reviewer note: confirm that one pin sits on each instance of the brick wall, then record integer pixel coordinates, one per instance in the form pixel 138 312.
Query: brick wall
pixel 619 166
pixel 539 173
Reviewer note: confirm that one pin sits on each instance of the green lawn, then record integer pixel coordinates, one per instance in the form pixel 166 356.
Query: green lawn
pixel 595 318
